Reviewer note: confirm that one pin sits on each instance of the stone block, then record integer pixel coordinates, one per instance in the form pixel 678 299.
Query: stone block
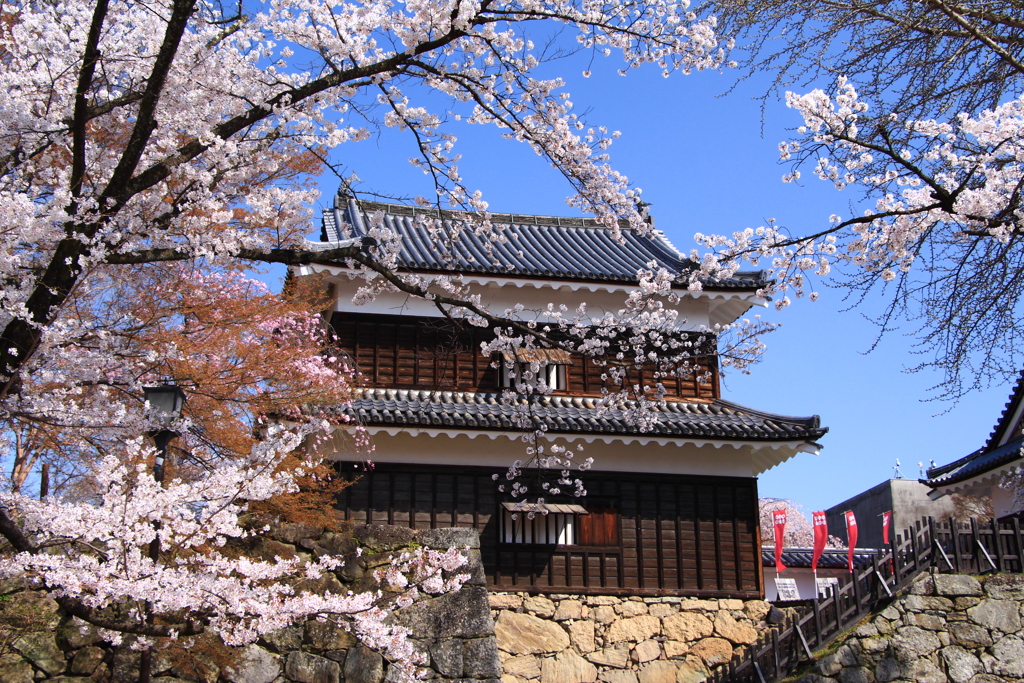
pixel 634 629
pixel 956 585
pixel 1003 615
pixel 969 635
pixel 327 583
pixel 616 657
pixel 125 665
pixel 255 665
pixel 539 605
pixel 730 604
pixel 1009 657
pixel 381 537
pixel 696 604
pixel 661 610
pixel 922 671
pixel 598 600
pixel 686 626
pixel 285 639
pixel 913 642
pixel 523 634
pixel 505 600
pixel 736 632
pixel 1005 587
pixel 874 645
pixel 41 649
pixel 15 669
pixel 922 585
pixel 462 614
pixel 887 669
pixel 647 651
pixel 326 635
pixel 961 665
pixel 675 649
pixel 293 533
pixel 924 603
pixel 567 667
pixel 525 666
pixel 303 667
pixel 712 651
pixel 446 657
pixel 617 676
pixel 692 671
pixel 581 635
pixel 362 665
pixel 34 609
pixel 756 609
pixel 337 544
pixel 856 674
pixel 963 604
pixel 480 658
pixel 865 631
pixel 890 613
pixel 631 609
pixel 604 614
pixel 659 672
pixel 77 633
pixel 569 609
pixel 87 660
pixel 930 622
pixel 448 537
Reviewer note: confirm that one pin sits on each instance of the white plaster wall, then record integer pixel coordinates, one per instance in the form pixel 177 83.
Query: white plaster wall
pixel 805 583
pixel 704 309
pixel 417 447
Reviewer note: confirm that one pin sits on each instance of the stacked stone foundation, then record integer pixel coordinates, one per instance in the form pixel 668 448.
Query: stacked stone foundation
pixel 583 639
pixel 947 629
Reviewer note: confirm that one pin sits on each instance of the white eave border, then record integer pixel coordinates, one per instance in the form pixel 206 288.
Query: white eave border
pixel 985 478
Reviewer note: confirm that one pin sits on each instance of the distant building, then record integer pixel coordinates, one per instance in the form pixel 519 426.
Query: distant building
pixel 671 510
pixel 980 473
pixel 908 500
pixel 833 564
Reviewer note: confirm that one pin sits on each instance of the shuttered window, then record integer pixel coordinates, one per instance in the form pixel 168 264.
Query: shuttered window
pixel 600 527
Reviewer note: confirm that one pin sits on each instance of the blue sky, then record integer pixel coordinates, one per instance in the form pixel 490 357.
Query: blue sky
pixel 705 167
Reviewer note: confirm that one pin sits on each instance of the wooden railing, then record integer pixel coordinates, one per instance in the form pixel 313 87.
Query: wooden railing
pixel 949 547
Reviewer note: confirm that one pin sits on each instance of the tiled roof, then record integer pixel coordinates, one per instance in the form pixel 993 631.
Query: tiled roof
pixel 719 420
pixel 536 246
pixel 831 558
pixel 974 464
pixel 989 456
pixel 1003 426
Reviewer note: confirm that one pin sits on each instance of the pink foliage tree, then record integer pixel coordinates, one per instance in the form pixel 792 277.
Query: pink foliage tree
pixel 133 136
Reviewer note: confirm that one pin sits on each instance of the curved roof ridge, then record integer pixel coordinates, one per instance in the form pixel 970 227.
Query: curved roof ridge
pixel 577 414
pixel 576 248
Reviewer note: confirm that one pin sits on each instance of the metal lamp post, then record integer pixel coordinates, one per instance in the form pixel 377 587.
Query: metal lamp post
pixel 167 401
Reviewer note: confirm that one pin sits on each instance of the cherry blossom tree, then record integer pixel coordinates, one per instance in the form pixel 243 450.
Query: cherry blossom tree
pixel 799 532
pixel 148 154
pixel 924 124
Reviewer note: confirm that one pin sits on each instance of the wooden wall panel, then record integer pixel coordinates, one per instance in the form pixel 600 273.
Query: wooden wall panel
pixel 408 352
pixel 676 535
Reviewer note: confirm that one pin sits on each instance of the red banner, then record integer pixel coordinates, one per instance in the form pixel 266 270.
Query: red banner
pixel 779 519
pixel 886 521
pixel 851 535
pixel 820 537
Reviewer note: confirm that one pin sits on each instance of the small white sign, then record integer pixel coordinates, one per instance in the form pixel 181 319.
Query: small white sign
pixel 826 587
pixel 786 588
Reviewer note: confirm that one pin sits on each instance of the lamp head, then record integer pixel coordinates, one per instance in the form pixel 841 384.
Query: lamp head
pixel 166 400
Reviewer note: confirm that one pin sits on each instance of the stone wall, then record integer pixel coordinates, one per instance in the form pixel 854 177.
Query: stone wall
pixel 947 628
pixel 581 639
pixel 455 631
